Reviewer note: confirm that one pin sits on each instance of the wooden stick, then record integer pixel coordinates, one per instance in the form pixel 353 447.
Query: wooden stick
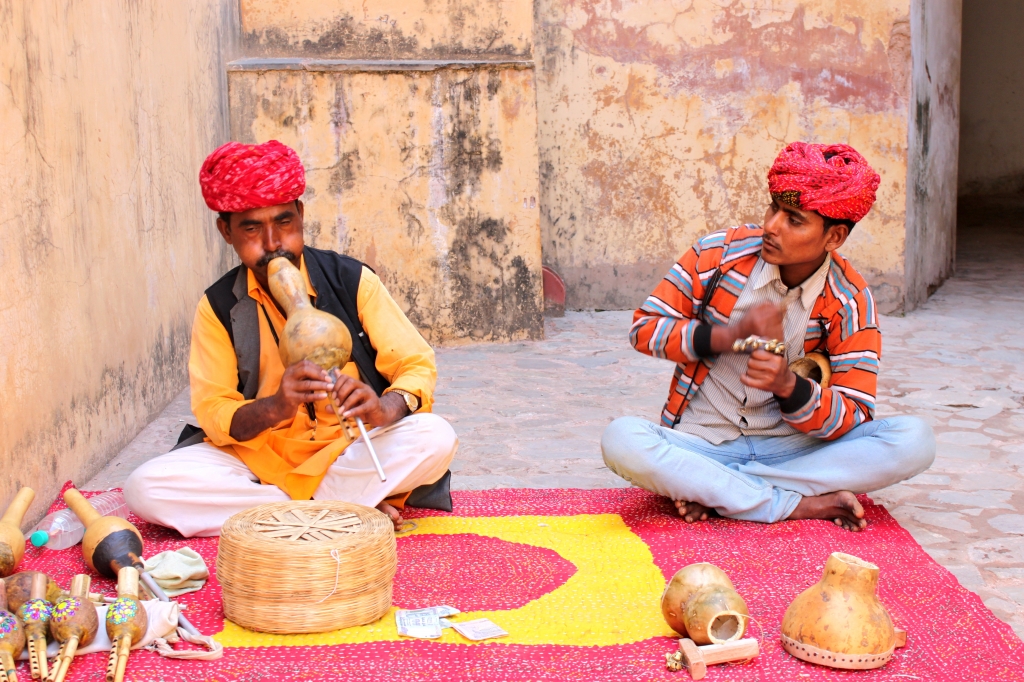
pixel 37 657
pixel 68 655
pixel 52 673
pixel 122 659
pixel 8 664
pixel 112 660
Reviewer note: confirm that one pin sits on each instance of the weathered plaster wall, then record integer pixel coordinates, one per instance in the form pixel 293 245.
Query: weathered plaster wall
pixel 658 121
pixel 991 132
pixel 934 140
pixel 388 29
pixel 107 109
pixel 429 176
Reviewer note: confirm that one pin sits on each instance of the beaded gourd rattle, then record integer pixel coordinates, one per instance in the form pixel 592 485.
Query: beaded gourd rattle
pixel 126 622
pixel 74 624
pixel 35 618
pixel 12 638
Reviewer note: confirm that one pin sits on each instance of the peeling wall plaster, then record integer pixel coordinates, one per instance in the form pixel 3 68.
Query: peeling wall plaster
pixel 107 109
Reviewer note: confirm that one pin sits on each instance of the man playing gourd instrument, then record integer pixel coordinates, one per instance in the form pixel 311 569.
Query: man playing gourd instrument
pixel 742 435
pixel 268 431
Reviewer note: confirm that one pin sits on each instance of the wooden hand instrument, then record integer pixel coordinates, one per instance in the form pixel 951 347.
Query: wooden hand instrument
pixel 311 334
pixel 696 659
pixel 111 543
pixel 12 542
pixel 74 624
pixel 12 639
pixel 35 617
pixel 126 622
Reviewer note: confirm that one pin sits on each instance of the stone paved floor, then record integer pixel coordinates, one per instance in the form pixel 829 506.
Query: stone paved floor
pixel 531 414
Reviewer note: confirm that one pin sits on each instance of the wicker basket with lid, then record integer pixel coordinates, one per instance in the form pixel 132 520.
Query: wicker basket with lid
pixel 306 566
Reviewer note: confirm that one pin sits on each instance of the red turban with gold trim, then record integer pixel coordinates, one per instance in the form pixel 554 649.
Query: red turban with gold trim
pixel 832 179
pixel 237 177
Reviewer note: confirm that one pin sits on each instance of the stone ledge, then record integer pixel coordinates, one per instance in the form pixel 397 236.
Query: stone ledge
pixel 375 65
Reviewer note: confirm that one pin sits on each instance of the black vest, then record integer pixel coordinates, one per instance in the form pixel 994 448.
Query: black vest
pixel 336 281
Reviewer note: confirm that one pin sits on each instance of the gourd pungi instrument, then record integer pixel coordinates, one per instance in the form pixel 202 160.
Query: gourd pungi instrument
pixel 701 603
pixel 126 622
pixel 12 542
pixel 311 334
pixel 35 618
pixel 19 589
pixel 74 624
pixel 12 638
pixel 111 543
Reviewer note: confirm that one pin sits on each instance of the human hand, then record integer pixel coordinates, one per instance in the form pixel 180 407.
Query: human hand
pixel 303 382
pixel 359 400
pixel 769 372
pixel 765 320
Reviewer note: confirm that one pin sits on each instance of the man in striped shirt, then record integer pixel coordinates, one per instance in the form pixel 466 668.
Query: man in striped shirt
pixel 742 435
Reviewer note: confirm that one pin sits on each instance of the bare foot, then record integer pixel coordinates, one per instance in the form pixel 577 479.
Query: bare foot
pixel 842 507
pixel 693 511
pixel 393 514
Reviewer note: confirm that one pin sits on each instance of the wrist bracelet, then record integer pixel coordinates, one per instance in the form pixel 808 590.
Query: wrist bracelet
pixel 752 343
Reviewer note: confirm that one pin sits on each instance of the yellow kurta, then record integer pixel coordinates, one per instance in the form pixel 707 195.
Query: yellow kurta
pixel 284 455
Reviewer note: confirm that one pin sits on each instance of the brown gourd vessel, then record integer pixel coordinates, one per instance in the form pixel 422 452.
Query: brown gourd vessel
pixel 35 619
pixel 74 624
pixel 308 334
pixel 814 366
pixel 110 542
pixel 19 587
pixel 700 602
pixel 126 623
pixel 12 638
pixel 12 541
pixel 839 621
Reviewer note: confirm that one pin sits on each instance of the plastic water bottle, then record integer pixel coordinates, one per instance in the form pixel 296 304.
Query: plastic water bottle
pixel 63 529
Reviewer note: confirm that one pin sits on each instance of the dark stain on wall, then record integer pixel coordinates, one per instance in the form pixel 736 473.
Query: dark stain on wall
pixel 469 151
pixel 348 38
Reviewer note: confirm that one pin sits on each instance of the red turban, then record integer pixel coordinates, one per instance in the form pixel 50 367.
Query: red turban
pixel 237 177
pixel 832 179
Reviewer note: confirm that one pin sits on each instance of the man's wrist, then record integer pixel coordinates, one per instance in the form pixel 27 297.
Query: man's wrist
pixel 799 394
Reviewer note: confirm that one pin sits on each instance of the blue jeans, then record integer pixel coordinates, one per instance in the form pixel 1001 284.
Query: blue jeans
pixel 763 478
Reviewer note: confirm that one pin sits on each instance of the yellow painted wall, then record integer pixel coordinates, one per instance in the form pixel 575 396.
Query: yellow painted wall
pixel 388 29
pixel 659 119
pixel 429 176
pixel 107 109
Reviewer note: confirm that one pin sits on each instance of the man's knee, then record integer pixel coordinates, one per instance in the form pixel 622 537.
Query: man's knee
pixel 621 441
pixel 444 442
pixel 915 443
pixel 138 489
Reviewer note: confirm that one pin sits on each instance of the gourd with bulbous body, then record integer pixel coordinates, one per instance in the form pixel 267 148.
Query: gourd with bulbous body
pixel 110 542
pixel 126 623
pixel 717 607
pixel 841 615
pixel 74 624
pixel 12 638
pixel 309 334
pixel 35 618
pixel 19 589
pixel 12 541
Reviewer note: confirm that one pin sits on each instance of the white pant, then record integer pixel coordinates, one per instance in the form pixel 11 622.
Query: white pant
pixel 196 489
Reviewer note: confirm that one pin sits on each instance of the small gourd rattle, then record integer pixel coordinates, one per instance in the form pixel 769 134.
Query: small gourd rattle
pixel 74 624
pixel 35 617
pixel 126 622
pixel 12 638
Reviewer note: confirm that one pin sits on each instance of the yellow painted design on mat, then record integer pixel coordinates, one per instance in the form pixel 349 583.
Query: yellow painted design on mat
pixel 613 598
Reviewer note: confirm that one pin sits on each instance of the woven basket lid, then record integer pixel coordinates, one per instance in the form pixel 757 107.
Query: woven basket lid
pixel 306 566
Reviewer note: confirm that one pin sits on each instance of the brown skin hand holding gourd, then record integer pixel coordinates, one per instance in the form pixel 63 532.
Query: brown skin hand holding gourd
pixel 74 624
pixel 12 639
pixel 12 541
pixel 126 623
pixel 35 618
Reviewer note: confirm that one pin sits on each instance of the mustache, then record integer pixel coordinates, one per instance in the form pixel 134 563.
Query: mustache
pixel 265 259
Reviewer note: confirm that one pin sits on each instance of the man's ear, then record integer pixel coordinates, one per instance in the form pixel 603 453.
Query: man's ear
pixel 301 208
pixel 836 236
pixel 224 229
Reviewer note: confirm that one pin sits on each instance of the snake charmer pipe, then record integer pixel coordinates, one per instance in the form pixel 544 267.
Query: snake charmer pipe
pixel 311 334
pixel 111 543
pixel 126 622
pixel 74 624
pixel 35 618
pixel 12 638
pixel 12 541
